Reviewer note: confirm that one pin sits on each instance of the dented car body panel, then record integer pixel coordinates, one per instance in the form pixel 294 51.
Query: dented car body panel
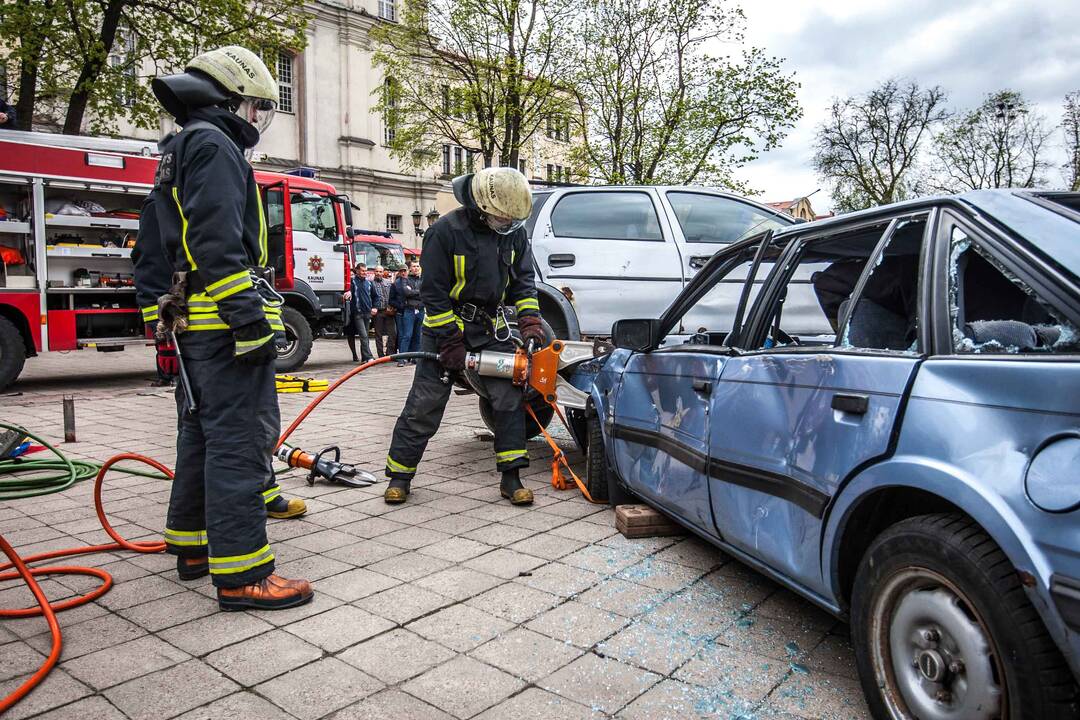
pixel 769 448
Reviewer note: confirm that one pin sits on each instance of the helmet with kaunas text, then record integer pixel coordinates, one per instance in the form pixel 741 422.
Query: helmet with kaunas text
pixel 503 195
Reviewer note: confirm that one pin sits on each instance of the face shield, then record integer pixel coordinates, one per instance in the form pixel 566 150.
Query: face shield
pixel 256 111
pixel 501 225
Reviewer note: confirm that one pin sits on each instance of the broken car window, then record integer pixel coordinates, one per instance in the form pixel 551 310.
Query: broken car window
pixel 993 311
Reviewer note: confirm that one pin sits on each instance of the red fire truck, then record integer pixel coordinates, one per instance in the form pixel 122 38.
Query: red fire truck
pixel 68 219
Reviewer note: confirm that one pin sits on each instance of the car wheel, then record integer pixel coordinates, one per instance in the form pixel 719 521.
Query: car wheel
pixel 596 465
pixel 298 341
pixel 943 629
pixel 12 352
pixel 544 413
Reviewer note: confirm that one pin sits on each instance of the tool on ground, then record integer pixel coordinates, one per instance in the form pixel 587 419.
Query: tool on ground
pixel 331 469
pixel 296 384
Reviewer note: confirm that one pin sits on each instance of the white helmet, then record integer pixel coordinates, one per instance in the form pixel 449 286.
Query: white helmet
pixel 502 194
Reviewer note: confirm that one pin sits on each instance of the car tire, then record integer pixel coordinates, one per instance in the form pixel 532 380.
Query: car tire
pixel 299 338
pixel 544 413
pixel 12 352
pixel 596 464
pixel 942 627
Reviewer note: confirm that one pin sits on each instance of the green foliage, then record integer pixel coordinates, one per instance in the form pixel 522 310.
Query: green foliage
pixel 482 74
pixel 657 107
pixel 869 146
pixel 99 55
pixel 998 144
pixel 1070 124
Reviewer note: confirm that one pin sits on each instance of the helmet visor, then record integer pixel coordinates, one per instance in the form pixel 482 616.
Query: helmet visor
pixel 258 112
pixel 501 225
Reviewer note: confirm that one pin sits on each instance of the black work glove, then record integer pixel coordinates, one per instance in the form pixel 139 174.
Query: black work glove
pixel 255 343
pixel 532 332
pixel 452 351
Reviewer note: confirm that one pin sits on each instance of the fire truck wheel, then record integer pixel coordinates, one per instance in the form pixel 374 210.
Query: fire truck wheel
pixel 12 352
pixel 298 340
pixel 544 413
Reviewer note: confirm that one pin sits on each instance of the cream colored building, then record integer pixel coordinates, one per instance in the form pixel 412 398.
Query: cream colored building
pixel 327 121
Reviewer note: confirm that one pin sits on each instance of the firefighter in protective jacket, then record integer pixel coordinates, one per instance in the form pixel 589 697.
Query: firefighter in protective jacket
pixel 476 259
pixel 223 316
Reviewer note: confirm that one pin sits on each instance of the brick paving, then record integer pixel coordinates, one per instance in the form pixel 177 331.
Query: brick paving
pixel 455 605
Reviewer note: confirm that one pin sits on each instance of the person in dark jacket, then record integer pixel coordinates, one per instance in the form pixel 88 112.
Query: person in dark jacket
pixel 212 234
pixel 476 259
pixel 8 117
pixel 386 317
pixel 361 303
pixel 410 314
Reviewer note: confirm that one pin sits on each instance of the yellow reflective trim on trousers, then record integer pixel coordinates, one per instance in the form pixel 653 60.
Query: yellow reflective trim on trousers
pixel 240 563
pixel 183 229
pixel 263 253
pixel 459 273
pixel 185 538
pixel 395 466
pixel 511 454
pixel 272 494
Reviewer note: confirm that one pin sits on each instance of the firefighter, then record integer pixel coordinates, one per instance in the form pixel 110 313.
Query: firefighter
pixel 476 259
pixel 224 317
pixel 153 275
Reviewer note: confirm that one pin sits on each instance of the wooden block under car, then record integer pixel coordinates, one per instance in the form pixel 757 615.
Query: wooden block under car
pixel 642 521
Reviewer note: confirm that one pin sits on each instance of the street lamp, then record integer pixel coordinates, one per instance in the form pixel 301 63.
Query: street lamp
pixel 416 218
pixel 432 216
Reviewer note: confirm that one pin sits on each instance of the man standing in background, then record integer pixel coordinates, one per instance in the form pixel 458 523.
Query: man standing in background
pixel 361 304
pixel 385 315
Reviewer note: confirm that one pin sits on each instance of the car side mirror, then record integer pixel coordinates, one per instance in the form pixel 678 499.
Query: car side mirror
pixel 351 232
pixel 346 206
pixel 636 335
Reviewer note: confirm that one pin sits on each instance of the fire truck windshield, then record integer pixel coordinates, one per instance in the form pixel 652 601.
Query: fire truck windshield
pixel 314 213
pixel 372 254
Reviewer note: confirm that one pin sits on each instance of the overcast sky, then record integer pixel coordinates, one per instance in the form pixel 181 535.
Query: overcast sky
pixel 969 47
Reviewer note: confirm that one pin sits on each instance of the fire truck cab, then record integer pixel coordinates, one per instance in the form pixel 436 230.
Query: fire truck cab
pixel 69 215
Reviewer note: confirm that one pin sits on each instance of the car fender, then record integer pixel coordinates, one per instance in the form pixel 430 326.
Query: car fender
pixel 569 313
pixel 959 487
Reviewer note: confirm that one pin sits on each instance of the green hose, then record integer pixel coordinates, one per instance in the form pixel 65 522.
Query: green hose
pixel 30 478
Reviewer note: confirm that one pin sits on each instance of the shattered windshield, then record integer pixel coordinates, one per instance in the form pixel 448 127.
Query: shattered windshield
pixel 993 311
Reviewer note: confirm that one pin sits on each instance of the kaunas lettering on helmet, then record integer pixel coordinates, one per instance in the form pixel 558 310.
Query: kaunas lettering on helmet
pixel 243 65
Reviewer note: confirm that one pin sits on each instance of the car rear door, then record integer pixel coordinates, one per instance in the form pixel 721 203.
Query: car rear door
pixel 613 250
pixel 789 421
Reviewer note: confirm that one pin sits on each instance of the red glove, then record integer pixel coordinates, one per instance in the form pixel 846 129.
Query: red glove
pixel 167 364
pixel 531 328
pixel 452 351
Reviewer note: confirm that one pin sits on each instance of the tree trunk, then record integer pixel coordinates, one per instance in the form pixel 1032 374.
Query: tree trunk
pixel 92 68
pixel 28 73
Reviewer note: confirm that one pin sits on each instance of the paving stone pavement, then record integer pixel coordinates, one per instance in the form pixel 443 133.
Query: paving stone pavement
pixel 455 605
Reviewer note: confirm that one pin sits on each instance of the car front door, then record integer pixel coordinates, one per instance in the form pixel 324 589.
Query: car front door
pixel 614 253
pixel 795 414
pixel 660 423
pixel 319 251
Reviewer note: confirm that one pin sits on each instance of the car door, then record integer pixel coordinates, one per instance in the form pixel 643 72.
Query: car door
pixel 789 421
pixel 615 253
pixel 660 423
pixel 318 248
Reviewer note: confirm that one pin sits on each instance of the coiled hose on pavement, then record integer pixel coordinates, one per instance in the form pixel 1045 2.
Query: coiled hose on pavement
pixel 53 476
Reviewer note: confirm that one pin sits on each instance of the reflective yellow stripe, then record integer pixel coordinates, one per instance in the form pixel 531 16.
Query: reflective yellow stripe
pixel 510 454
pixel 206 321
pixel 395 466
pixel 240 563
pixel 527 304
pixel 246 346
pixel 433 321
pixel 185 538
pixel 459 273
pixel 229 286
pixel 513 254
pixel 272 494
pixel 262 229
pixel 150 313
pixel 183 229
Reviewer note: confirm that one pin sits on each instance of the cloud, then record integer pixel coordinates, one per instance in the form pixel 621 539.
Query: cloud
pixel 969 47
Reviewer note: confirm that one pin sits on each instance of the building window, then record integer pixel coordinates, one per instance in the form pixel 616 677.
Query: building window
pixel 285 81
pixel 521 165
pixel 393 223
pixel 558 173
pixel 470 161
pixel 388 10
pixel 123 59
pixel 446 159
pixel 390 106
pixel 558 127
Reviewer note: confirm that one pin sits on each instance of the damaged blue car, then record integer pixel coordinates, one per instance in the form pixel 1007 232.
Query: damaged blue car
pixel 880 411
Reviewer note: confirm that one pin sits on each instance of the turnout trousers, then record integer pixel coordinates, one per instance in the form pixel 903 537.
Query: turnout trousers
pixel 224 475
pixel 423 412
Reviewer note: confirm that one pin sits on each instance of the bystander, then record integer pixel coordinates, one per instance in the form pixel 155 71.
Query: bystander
pixel 361 303
pixel 385 315
pixel 7 115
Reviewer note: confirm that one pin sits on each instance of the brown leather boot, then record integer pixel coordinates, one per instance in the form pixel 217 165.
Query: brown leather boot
pixel 192 568
pixel 273 592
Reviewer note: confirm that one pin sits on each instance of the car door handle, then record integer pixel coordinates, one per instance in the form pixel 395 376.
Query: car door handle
pixel 698 261
pixel 702 386
pixel 850 403
pixel 561 260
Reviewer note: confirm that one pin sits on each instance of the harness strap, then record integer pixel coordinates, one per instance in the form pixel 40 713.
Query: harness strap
pixel 558 481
